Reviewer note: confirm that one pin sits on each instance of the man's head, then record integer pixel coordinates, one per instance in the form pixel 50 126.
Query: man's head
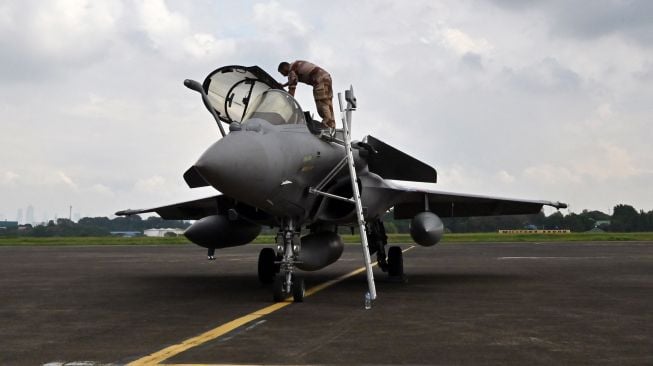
pixel 284 68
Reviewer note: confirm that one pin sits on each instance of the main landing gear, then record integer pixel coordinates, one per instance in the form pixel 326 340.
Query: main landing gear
pixel 279 268
pixel 393 262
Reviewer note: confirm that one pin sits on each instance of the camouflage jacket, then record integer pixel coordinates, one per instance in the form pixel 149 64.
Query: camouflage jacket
pixel 305 72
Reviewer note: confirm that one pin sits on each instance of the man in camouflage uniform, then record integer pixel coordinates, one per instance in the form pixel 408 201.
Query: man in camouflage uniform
pixel 315 76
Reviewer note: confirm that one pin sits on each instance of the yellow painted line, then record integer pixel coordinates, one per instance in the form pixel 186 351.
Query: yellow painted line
pixel 221 364
pixel 157 357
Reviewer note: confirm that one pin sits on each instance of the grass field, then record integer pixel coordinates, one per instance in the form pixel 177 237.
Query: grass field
pixel 392 238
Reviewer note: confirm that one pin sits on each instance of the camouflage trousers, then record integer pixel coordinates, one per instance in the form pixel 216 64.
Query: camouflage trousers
pixel 323 94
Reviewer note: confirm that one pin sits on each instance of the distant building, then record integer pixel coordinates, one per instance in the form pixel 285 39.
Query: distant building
pixel 162 232
pixel 29 215
pixel 4 225
pixel 126 234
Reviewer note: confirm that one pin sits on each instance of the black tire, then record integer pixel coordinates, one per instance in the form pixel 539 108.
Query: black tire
pixel 395 262
pixel 278 294
pixel 266 266
pixel 298 288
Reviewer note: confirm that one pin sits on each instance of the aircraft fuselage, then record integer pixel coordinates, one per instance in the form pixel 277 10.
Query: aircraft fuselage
pixel 271 167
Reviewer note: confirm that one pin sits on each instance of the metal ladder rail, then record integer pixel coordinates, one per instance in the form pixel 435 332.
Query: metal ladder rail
pixel 346 115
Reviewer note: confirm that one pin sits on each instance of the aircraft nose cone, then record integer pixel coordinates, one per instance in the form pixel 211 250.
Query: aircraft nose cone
pixel 240 166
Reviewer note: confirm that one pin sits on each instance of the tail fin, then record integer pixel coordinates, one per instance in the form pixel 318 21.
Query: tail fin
pixel 390 163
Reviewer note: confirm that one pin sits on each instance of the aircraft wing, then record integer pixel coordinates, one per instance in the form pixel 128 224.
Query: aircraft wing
pixel 197 209
pixel 410 201
pixel 190 210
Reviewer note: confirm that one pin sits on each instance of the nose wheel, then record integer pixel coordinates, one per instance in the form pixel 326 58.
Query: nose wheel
pixel 297 289
pixel 287 282
pixel 279 293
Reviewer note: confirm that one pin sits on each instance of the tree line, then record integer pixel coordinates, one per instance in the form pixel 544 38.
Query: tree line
pixel 95 226
pixel 624 218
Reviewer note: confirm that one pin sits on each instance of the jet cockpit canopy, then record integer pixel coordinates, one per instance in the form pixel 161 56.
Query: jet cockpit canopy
pixel 231 89
pixel 276 107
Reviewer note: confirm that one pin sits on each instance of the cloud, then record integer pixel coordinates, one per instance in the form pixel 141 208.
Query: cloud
pixel 628 19
pixel 505 177
pixel 65 179
pixel 547 75
pixel 279 20
pixel 6 17
pixel 100 188
pixel 65 27
pixel 645 74
pixel 159 22
pixel 9 177
pixel 462 43
pixel 47 38
pixel 472 61
pixel 608 161
pixel 150 184
pixel 171 34
pixel 550 174
pixel 598 163
pixel 57 38
pixel 201 45
pixel 524 99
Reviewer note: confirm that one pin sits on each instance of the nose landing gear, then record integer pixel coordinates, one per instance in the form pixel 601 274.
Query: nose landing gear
pixel 279 268
pixel 297 286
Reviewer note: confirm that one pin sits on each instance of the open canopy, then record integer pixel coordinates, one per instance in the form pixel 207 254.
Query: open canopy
pixel 231 89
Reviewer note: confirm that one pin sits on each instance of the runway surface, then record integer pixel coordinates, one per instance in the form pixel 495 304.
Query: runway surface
pixel 467 304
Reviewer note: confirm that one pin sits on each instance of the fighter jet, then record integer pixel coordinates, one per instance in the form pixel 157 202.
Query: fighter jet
pixel 276 167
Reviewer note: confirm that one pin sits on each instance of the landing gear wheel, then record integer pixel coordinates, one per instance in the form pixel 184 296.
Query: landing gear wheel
pixel 298 288
pixel 277 266
pixel 278 294
pixel 266 266
pixel 395 262
pixel 288 252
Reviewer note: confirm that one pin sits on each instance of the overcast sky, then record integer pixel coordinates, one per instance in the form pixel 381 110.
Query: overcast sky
pixel 532 99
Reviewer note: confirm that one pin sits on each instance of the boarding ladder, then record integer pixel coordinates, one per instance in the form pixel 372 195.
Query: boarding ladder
pixel 346 114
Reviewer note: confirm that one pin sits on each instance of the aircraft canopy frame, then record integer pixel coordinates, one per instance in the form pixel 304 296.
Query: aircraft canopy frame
pixel 231 89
